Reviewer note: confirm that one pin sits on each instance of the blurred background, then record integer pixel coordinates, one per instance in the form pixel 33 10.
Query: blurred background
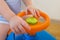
pixel 52 8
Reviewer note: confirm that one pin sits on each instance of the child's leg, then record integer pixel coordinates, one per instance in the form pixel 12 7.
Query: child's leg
pixel 4 27
pixel 3 31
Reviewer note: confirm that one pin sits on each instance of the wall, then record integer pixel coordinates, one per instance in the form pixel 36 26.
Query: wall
pixel 52 7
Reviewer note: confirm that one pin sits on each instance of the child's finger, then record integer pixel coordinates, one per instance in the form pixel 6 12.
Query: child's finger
pixel 24 17
pixel 24 23
pixel 17 31
pixel 35 14
pixel 38 13
pixel 21 28
pixel 26 12
pixel 13 30
pixel 31 11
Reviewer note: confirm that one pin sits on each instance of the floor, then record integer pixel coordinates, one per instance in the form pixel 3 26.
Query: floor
pixel 54 29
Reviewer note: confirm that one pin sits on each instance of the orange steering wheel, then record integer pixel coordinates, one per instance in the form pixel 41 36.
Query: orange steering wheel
pixel 38 26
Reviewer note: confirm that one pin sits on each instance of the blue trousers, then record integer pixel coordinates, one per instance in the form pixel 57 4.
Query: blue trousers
pixel 43 35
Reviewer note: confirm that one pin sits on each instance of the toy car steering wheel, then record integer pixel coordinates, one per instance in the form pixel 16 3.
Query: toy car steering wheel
pixel 38 26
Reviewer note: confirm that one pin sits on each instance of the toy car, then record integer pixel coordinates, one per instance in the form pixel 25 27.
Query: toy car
pixel 38 26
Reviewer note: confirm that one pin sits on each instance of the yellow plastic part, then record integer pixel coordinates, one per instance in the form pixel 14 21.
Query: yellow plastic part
pixel 31 20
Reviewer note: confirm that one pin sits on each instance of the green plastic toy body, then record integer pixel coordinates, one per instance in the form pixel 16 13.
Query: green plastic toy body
pixel 31 20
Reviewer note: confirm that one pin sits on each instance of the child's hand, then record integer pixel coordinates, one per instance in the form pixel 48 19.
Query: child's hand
pixel 34 11
pixel 17 24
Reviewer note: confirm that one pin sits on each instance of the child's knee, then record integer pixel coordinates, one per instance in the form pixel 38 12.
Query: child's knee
pixel 4 27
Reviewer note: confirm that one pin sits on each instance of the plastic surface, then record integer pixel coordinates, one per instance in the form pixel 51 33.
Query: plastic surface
pixel 31 20
pixel 38 26
pixel 42 35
